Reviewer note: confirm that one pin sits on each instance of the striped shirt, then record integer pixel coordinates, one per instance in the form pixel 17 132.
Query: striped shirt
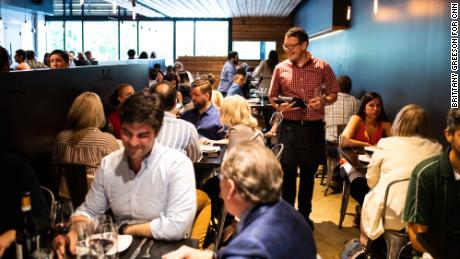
pixel 305 82
pixel 89 151
pixel 339 113
pixel 181 135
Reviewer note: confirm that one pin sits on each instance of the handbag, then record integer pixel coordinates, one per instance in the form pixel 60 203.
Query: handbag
pixel 353 250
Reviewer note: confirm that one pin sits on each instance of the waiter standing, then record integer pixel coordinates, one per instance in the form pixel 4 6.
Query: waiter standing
pixel 302 129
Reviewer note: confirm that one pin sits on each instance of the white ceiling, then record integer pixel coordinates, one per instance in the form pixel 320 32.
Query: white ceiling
pixel 191 8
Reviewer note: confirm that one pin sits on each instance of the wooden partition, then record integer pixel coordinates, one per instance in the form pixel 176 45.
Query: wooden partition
pixel 203 65
pixel 34 104
pixel 262 29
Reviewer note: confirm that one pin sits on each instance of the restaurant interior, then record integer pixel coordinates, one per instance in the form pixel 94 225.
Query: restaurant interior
pixel 399 49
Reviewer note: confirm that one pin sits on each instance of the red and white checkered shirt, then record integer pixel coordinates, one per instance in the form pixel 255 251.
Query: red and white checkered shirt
pixel 315 77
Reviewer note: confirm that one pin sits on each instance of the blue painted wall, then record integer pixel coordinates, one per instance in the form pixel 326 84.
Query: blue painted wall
pixel 402 52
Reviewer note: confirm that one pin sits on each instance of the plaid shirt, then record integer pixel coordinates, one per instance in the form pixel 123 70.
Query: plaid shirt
pixel 316 76
pixel 339 113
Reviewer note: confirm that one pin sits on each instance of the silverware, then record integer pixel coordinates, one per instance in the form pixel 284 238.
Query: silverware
pixel 137 251
pixel 147 250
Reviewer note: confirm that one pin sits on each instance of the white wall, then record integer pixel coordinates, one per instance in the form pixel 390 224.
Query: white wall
pixel 15 33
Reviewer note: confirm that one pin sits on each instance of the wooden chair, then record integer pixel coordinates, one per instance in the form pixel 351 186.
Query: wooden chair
pixel 77 184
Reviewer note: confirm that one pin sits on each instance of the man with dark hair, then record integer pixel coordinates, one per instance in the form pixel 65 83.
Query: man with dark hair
pixel 149 188
pixel 432 203
pixel 5 60
pixel 302 129
pixel 90 58
pixel 340 111
pixel 176 133
pixel 131 54
pixel 228 72
pixel 204 116
pixel 20 59
pixel 237 87
pixel 250 182
pixel 32 62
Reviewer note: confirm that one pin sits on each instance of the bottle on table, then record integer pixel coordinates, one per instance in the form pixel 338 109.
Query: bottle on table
pixel 26 235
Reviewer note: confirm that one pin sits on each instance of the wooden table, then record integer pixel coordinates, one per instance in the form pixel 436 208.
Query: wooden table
pixel 351 155
pixel 159 247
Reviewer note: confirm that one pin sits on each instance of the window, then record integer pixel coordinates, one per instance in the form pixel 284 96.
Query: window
pixel 128 38
pixel 184 38
pixel 256 50
pixel 103 46
pixel 211 38
pixel 158 37
pixel 54 36
pixel 73 39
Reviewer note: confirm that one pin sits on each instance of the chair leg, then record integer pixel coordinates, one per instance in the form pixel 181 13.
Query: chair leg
pixel 345 197
pixel 395 242
pixel 330 170
pixel 221 228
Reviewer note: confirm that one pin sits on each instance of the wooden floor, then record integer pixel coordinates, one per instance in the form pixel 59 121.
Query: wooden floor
pixel 325 215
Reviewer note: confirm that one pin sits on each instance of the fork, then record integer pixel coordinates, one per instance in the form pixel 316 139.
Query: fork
pixel 147 250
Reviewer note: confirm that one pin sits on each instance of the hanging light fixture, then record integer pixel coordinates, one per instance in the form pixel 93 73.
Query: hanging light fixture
pixel 134 9
pixel 82 2
pixel 349 11
pixel 114 7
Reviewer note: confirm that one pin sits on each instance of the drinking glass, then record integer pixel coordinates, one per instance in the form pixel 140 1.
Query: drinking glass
pixel 104 238
pixel 83 231
pixel 61 212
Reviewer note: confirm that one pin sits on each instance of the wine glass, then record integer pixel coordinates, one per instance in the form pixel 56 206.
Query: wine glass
pixel 61 212
pixel 104 238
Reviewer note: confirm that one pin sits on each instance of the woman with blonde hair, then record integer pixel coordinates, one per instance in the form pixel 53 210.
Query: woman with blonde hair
pixel 236 114
pixel 394 159
pixel 82 141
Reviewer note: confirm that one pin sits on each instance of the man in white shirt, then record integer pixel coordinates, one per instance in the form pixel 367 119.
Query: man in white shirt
pixel 176 133
pixel 341 110
pixel 150 188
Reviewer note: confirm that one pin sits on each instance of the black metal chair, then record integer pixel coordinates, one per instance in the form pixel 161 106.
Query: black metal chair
pixel 278 150
pixel 75 175
pixel 396 241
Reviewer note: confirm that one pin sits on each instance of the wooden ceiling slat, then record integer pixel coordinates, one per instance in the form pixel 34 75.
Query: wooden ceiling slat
pixel 215 8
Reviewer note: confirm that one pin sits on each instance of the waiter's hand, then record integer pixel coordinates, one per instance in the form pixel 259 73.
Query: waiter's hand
pixel 317 103
pixel 287 107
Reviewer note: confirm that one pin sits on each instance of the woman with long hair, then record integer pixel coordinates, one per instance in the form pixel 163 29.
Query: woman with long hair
pixel 265 70
pixel 82 141
pixel 368 125
pixel 119 95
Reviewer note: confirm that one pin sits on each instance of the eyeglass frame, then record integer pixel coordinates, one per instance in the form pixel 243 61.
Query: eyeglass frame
pixel 291 47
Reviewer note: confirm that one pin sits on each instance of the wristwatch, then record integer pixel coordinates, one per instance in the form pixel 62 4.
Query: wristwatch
pixel 122 228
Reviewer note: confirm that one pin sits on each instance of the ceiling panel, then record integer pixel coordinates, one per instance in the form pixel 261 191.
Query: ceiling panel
pixel 188 8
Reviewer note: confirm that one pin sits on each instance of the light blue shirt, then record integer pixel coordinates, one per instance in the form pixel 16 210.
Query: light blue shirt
pixel 235 89
pixel 162 192
pixel 226 76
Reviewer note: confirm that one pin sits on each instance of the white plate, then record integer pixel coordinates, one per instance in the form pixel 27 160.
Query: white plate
pixel 209 149
pixel 364 158
pixel 124 241
pixel 370 149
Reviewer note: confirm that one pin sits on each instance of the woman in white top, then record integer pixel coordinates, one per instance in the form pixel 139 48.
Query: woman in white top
pixel 265 70
pixel 394 159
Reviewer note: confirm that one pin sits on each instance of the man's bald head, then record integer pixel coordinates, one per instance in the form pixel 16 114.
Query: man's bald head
pixel 167 93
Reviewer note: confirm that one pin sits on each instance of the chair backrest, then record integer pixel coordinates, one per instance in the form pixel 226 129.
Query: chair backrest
pixel 49 196
pixel 387 191
pixel 75 174
pixel 278 150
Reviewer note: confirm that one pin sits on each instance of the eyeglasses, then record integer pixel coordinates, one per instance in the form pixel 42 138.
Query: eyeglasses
pixel 291 47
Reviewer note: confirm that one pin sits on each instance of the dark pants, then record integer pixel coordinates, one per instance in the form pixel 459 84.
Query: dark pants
pixel 304 148
pixel 359 189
